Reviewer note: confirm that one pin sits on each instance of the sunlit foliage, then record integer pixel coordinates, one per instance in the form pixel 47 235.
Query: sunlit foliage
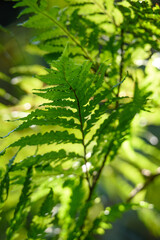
pixel 97 89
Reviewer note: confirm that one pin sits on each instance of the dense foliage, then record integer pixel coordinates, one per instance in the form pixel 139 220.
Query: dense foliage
pixel 95 85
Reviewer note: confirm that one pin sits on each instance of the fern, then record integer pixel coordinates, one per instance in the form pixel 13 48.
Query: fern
pixel 83 120
pixel 76 84
pixel 87 110
pixel 83 16
pixel 44 20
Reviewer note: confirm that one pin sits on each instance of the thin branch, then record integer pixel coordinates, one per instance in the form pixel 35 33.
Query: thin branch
pixel 141 187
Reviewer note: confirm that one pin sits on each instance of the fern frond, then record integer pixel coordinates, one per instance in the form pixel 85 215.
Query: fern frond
pixel 69 211
pixel 43 220
pixel 79 99
pixel 48 94
pixel 4 185
pixel 46 138
pixel 51 21
pixel 120 125
pixel 53 158
pixel 85 8
pixel 84 120
pixel 22 207
pixel 54 33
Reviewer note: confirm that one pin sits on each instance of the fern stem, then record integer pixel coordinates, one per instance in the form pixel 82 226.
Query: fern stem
pixel 81 127
pixel 100 170
pixel 97 177
pixel 121 65
pixel 83 142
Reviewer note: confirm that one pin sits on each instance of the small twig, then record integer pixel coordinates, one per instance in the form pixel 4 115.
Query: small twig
pixel 142 186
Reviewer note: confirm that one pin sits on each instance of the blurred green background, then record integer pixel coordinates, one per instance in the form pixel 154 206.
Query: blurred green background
pixel 139 157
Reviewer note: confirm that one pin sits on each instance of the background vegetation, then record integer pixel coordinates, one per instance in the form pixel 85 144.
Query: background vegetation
pixel 126 37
